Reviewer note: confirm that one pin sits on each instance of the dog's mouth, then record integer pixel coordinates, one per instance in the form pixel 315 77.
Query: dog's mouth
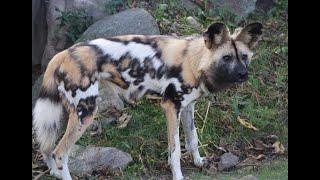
pixel 241 80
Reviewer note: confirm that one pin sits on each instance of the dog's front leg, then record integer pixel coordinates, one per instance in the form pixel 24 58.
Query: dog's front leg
pixel 191 137
pixel 173 138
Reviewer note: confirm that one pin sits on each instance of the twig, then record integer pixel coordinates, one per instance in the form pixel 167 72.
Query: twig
pixel 199 115
pixel 41 174
pixel 205 118
pixel 202 146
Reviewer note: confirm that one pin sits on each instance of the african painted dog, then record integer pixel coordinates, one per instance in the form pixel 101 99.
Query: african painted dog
pixel 180 70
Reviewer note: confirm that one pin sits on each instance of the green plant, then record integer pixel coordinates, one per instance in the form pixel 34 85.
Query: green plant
pixel 75 22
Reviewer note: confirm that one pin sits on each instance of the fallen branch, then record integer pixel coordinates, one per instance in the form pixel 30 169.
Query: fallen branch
pixel 41 174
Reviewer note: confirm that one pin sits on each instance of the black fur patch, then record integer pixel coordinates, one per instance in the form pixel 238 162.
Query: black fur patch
pixel 172 95
pixel 140 88
pixel 118 40
pixel 138 81
pixel 101 61
pixel 174 72
pixel 161 71
pixel 235 48
pixel 86 107
pixel 187 89
pixel 52 95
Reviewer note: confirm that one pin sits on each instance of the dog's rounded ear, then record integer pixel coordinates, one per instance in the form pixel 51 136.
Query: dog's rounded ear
pixel 216 34
pixel 250 35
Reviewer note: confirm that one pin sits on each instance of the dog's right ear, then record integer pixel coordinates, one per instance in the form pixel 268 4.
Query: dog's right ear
pixel 216 35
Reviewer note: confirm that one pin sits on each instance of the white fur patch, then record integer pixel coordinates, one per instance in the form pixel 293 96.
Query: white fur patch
pixel 93 90
pixel 188 98
pixel 46 115
pixel 118 49
pixel 175 159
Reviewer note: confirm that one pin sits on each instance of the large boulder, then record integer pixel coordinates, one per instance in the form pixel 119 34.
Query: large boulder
pixel 86 159
pixel 131 21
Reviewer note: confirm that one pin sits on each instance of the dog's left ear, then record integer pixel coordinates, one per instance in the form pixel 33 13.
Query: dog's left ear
pixel 250 35
pixel 216 35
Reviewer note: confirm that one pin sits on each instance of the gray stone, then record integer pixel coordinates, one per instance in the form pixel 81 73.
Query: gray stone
pixel 240 8
pixel 264 5
pixel 132 21
pixel 166 21
pixel 249 177
pixel 110 97
pixel 227 161
pixel 193 22
pixel 189 5
pixel 86 159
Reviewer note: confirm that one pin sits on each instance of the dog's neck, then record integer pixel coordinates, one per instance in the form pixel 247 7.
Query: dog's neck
pixel 196 52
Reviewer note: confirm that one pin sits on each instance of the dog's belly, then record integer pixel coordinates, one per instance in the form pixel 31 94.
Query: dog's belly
pixel 148 86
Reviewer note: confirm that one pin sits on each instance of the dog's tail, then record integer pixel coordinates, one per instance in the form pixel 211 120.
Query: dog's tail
pixel 48 109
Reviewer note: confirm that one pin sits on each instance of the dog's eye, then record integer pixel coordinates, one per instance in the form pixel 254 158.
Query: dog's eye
pixel 244 56
pixel 227 58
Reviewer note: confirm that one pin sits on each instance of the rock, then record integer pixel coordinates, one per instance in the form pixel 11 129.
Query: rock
pixel 110 97
pixel 240 8
pixel 166 21
pixel 36 90
pixel 86 159
pixel 227 161
pixel 193 22
pixel 249 177
pixel 264 5
pixel 189 5
pixel 174 26
pixel 132 21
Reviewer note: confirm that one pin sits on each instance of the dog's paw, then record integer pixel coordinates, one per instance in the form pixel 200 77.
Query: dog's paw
pixel 199 162
pixel 55 173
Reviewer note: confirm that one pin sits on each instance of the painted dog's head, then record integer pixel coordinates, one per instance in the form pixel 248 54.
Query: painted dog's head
pixel 227 57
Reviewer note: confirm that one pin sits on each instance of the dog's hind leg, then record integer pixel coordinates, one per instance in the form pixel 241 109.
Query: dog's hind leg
pixel 73 132
pixel 191 137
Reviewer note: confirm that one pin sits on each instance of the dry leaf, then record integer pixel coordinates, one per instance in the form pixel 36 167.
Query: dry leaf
pixel 278 148
pixel 123 121
pixel 246 124
pixel 259 157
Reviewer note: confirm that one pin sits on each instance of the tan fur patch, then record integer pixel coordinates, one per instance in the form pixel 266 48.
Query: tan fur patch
pixel 243 49
pixel 172 122
pixel 48 82
pixel 125 63
pixel 87 56
pixel 72 70
pixel 110 68
pixel 172 51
